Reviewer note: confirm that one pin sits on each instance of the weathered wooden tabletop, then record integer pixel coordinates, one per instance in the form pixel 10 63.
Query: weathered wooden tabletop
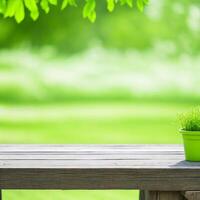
pixel 149 167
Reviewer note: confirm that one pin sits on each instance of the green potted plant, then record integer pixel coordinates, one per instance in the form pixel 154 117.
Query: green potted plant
pixel 190 130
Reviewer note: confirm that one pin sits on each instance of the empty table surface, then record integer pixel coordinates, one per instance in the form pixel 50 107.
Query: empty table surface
pixel 150 167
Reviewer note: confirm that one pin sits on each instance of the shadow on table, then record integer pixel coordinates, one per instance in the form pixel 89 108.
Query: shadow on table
pixel 186 164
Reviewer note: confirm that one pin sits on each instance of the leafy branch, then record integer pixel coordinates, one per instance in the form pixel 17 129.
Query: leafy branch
pixel 16 8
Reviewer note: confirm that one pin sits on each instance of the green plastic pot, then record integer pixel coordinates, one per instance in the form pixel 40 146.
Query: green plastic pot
pixel 191 140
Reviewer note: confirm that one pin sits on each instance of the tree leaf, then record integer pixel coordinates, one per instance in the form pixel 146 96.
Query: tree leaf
pixel 146 2
pixel 53 2
pixel 2 6
pixel 16 8
pixel 45 5
pixel 33 8
pixel 19 13
pixel 65 3
pixel 128 2
pixel 89 10
pixel 140 5
pixel 110 5
pixel 11 8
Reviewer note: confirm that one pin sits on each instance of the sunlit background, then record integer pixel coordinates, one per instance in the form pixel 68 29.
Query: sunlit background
pixel 123 79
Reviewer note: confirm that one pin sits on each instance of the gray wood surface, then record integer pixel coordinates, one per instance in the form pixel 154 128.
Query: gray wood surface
pixel 149 167
pixel 192 195
pixel 161 195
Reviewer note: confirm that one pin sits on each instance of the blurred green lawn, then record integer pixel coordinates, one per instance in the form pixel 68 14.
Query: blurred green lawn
pixel 88 123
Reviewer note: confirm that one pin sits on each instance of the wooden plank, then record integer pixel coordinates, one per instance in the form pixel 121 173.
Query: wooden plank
pixel 89 147
pixel 192 195
pixel 141 164
pixel 161 195
pixel 92 164
pixel 63 156
pixel 98 179
pixel 143 195
pixel 151 167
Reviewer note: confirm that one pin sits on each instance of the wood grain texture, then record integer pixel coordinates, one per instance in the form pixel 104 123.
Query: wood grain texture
pixel 192 195
pixel 145 167
pixel 161 195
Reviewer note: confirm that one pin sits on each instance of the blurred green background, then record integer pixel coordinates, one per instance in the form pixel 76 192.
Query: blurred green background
pixel 123 79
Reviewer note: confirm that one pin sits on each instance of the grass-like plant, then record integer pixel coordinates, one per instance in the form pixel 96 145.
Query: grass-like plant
pixel 190 121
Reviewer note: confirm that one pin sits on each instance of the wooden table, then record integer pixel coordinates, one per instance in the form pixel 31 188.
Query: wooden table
pixel 158 171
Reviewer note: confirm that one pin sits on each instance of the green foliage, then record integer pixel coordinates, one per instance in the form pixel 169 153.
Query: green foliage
pixel 125 29
pixel 16 8
pixel 191 121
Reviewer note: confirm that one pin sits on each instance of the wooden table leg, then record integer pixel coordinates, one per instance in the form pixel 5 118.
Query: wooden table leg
pixel 192 195
pixel 161 195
